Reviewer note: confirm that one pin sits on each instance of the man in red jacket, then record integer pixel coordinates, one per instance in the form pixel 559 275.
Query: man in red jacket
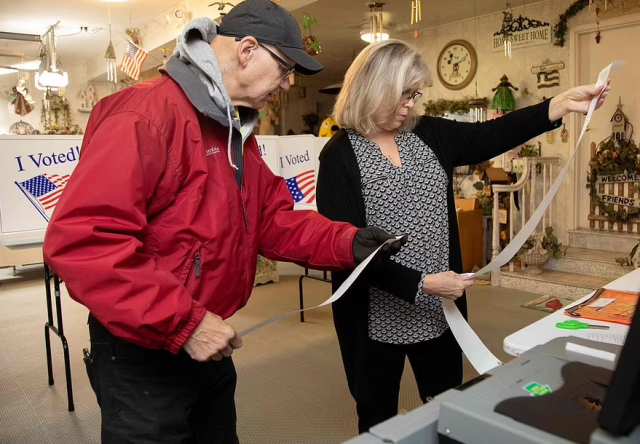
pixel 159 229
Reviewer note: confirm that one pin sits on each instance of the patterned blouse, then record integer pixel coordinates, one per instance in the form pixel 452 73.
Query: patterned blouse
pixel 409 200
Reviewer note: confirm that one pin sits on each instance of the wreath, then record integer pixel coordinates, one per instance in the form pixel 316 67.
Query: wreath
pixel 442 106
pixel 560 30
pixel 614 157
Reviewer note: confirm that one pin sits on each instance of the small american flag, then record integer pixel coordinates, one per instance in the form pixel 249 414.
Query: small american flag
pixel 44 191
pixel 303 187
pixel 132 61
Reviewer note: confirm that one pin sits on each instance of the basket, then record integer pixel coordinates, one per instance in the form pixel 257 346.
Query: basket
pixel 534 260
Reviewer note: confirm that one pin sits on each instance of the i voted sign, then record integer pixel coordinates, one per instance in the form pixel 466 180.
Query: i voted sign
pixel 297 164
pixel 34 171
pixel 268 147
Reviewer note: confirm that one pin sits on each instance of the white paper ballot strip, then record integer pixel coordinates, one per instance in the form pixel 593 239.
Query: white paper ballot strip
pixel 334 297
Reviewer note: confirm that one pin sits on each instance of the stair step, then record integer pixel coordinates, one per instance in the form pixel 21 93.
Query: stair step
pixel 556 283
pixel 618 242
pixel 598 263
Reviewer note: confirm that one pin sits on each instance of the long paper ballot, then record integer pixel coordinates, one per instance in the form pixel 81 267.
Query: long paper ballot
pixel 476 352
pixel 334 297
pixel 519 240
pixel 473 348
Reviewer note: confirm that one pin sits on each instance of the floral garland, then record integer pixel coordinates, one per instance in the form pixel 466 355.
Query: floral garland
pixel 614 157
pixel 560 30
pixel 438 108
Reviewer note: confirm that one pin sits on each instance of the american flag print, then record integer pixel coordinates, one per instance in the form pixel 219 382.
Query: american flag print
pixel 303 187
pixel 44 191
pixel 132 61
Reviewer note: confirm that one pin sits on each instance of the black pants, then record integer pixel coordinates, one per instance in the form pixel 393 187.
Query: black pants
pixel 153 396
pixel 436 364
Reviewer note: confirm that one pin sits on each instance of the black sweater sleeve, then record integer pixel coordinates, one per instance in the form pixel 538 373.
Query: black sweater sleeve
pixel 337 200
pixel 471 143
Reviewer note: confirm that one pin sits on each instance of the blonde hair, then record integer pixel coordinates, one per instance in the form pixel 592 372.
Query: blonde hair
pixel 374 84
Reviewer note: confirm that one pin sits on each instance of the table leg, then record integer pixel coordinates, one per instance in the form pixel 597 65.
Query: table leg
pixel 59 331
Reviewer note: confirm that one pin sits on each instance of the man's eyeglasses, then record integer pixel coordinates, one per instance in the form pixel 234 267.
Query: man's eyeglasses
pixel 415 96
pixel 289 69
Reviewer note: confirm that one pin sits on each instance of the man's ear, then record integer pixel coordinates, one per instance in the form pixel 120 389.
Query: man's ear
pixel 246 49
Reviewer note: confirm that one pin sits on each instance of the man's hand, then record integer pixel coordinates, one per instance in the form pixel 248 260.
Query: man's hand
pixel 449 285
pixel 212 339
pixel 368 239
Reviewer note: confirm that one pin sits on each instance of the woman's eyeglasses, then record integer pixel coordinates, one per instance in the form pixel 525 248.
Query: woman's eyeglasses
pixel 411 96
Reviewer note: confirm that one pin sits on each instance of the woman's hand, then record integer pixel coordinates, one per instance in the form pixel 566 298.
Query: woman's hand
pixel 447 285
pixel 577 100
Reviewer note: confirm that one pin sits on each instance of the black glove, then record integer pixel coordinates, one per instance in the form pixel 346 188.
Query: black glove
pixel 368 239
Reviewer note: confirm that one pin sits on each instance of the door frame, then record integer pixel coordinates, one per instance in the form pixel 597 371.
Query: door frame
pixel 574 119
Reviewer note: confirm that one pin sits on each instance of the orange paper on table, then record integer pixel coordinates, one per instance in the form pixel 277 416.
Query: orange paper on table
pixel 620 311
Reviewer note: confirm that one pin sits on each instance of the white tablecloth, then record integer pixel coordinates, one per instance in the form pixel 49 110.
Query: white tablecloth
pixel 545 329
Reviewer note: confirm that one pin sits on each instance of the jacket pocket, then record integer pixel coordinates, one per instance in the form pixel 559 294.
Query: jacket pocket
pixel 195 269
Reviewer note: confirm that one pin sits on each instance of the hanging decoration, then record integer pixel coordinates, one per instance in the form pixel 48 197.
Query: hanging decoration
pixel 165 57
pixel 520 33
pixel 606 4
pixel 503 99
pixel 440 107
pixel 134 35
pixel 50 77
pixel 477 105
pixel 110 57
pixel 560 29
pixel 507 33
pixel 564 134
pixel 616 162
pixel 310 42
pixel 221 6
pixel 20 101
pixel 597 23
pixel 374 31
pixel 416 12
pixel 547 74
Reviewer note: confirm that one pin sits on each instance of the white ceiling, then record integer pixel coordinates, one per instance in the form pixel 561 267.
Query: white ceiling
pixel 35 17
pixel 338 23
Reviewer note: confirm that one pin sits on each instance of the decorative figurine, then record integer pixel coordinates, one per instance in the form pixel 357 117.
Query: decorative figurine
pixel 503 100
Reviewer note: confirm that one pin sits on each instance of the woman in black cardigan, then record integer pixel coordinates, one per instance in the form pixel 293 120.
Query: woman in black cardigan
pixel 391 169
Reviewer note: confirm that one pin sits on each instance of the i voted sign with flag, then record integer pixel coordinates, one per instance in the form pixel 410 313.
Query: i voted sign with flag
pixel 297 164
pixel 34 171
pixel 303 187
pixel 43 191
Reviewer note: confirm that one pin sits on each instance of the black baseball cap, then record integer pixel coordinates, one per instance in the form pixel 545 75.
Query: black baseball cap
pixel 270 23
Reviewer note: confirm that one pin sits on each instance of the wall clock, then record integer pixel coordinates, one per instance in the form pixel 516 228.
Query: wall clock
pixel 457 64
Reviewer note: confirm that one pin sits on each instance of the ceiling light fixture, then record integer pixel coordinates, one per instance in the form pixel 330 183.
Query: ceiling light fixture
pixel 52 76
pixel 374 30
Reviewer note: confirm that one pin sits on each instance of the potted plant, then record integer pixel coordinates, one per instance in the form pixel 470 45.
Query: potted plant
pixel 538 248
pixel 525 151
pixel 310 42
pixel 486 202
